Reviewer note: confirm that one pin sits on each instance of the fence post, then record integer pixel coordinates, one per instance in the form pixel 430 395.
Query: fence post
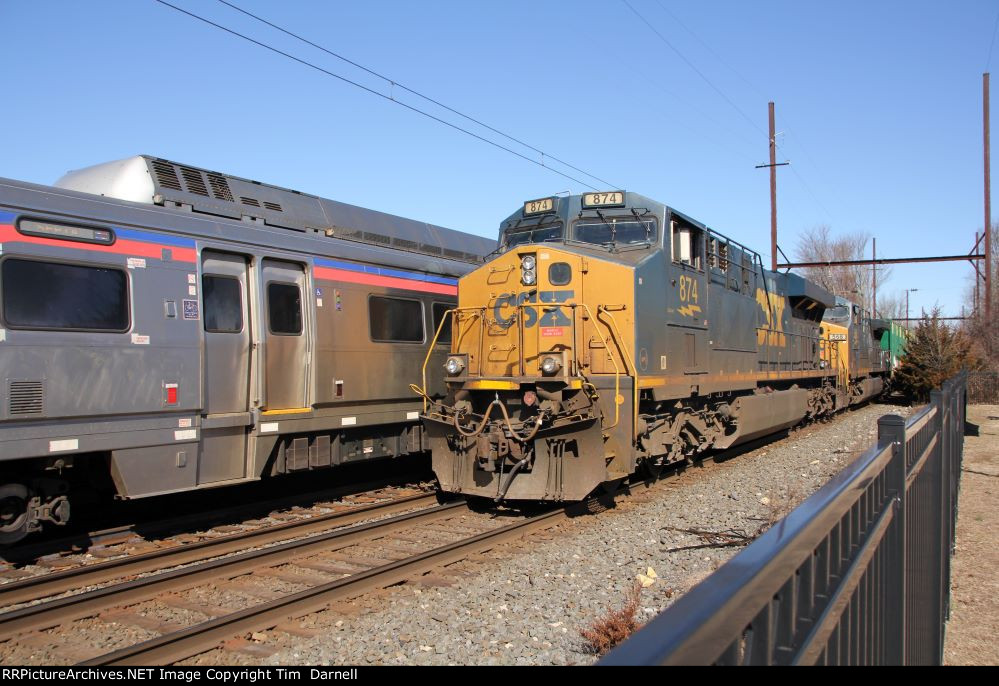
pixel 891 432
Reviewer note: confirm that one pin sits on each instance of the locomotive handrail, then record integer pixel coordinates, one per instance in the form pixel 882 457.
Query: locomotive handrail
pixel 634 376
pixel 617 370
pixel 430 351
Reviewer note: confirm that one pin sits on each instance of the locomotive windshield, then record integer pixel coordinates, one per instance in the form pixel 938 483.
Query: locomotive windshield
pixel 837 314
pixel 532 234
pixel 628 231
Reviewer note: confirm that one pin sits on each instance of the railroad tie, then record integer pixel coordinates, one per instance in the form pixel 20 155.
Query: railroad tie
pixel 241 645
pixel 133 618
pixel 173 600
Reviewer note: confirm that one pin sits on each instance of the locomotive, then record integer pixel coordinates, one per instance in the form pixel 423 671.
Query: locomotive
pixel 168 328
pixel 613 333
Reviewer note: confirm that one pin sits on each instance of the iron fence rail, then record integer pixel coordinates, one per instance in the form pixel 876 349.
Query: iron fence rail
pixel 857 574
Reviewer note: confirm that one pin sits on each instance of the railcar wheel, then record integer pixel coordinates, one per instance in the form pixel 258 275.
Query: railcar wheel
pixel 15 521
pixel 613 486
pixel 650 471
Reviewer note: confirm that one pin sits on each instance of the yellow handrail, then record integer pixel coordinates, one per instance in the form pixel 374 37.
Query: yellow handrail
pixel 617 370
pixel 430 351
pixel 624 349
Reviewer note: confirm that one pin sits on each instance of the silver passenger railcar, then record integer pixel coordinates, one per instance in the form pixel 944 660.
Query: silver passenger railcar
pixel 167 328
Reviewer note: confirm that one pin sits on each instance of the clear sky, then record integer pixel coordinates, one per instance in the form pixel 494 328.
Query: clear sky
pixel 878 107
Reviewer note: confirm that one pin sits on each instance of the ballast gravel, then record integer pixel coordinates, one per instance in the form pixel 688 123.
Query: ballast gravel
pixel 527 603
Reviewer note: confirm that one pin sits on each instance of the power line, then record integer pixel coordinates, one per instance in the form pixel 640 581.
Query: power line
pixel 992 44
pixel 372 91
pixel 691 65
pixel 396 84
pixel 710 49
pixel 748 83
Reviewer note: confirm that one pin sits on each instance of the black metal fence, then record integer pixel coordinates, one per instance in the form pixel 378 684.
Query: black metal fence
pixel 857 574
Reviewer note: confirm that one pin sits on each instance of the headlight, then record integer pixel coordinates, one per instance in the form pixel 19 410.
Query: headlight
pixel 528 273
pixel 454 365
pixel 550 365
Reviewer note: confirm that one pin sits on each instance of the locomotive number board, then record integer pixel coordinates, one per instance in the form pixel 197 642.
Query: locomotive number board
pixel 605 199
pixel 540 206
pixel 837 337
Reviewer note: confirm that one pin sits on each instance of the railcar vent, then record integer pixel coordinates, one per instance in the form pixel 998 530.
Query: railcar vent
pixel 166 174
pixel 455 254
pixel 273 206
pixel 377 238
pixel 195 181
pixel 431 249
pixel 220 187
pixel 26 397
pixel 252 202
pixel 406 244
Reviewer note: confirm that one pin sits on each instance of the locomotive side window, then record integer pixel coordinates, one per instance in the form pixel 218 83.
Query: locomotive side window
pixel 284 308
pixel 688 245
pixel 439 310
pixel 393 320
pixel 223 304
pixel 53 295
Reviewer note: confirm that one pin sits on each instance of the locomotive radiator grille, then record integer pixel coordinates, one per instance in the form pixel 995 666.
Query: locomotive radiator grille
pixel 26 397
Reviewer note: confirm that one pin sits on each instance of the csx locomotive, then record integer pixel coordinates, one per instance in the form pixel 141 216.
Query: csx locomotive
pixel 168 328
pixel 613 333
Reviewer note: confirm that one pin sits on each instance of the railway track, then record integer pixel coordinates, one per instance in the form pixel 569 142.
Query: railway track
pixel 62 551
pixel 320 569
pixel 225 590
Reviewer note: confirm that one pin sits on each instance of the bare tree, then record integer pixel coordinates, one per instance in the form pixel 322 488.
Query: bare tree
pixel 853 283
pixel 984 333
pixel 891 305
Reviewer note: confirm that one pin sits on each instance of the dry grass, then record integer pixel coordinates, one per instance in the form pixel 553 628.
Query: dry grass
pixel 974 621
pixel 615 626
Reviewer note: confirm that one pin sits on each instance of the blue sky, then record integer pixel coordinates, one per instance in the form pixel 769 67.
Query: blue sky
pixel 878 105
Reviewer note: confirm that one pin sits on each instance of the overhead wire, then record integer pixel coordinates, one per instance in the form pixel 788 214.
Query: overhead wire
pixel 794 170
pixel 693 67
pixel 412 91
pixel 373 92
pixel 995 26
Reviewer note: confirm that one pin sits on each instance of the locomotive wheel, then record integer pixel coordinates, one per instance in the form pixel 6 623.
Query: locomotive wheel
pixel 649 470
pixel 14 517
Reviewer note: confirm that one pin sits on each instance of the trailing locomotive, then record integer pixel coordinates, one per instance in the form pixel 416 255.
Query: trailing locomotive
pixel 614 333
pixel 167 328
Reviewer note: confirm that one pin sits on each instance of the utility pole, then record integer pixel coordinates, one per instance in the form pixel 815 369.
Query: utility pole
pixel 988 200
pixel 773 185
pixel 773 189
pixel 978 277
pixel 874 278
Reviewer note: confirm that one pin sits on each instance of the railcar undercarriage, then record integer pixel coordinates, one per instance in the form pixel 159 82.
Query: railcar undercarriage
pixel 540 443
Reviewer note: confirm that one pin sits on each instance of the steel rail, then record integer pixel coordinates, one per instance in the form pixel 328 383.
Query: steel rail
pixel 164 527
pixel 54 583
pixel 60 610
pixel 194 640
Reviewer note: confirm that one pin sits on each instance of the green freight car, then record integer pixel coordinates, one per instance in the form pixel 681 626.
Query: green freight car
pixel 893 341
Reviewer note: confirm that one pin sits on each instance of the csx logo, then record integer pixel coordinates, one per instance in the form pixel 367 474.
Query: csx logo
pixel 550 316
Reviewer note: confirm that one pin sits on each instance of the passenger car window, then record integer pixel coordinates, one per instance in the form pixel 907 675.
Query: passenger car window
pixel 284 308
pixel 54 295
pixel 223 304
pixel 439 310
pixel 395 320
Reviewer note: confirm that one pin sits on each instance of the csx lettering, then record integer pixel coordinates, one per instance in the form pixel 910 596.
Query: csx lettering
pixel 550 316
